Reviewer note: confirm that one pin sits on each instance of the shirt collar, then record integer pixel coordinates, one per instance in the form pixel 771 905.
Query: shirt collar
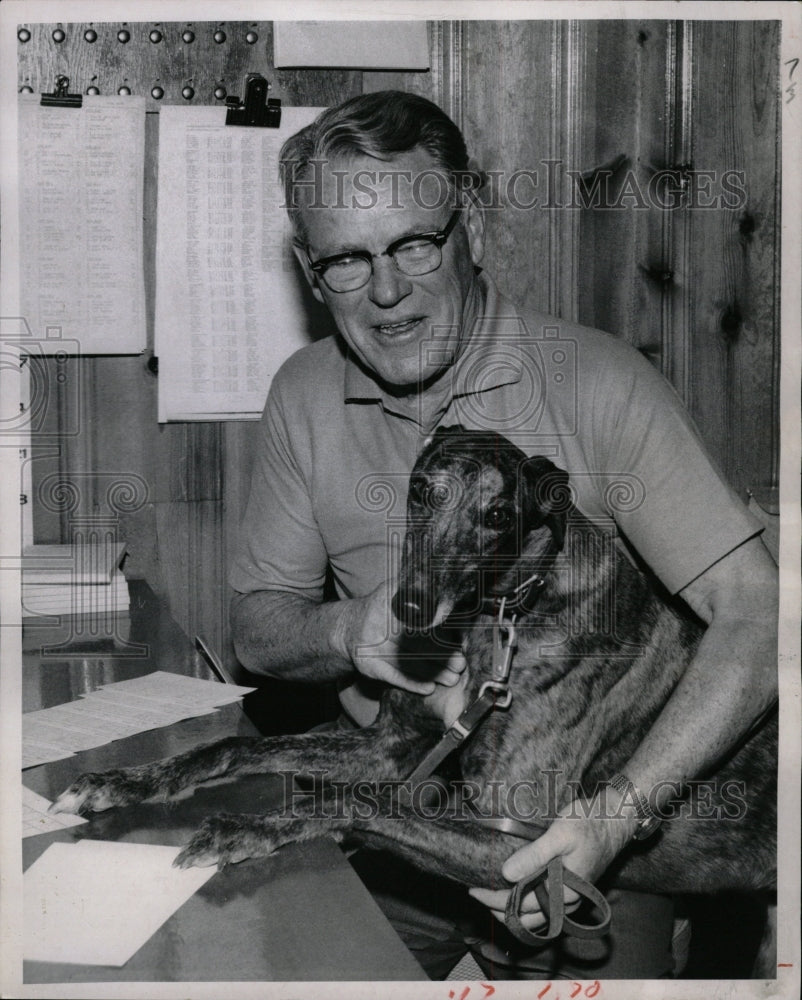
pixel 491 358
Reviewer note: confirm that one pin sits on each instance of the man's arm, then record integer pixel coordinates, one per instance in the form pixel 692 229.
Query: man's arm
pixel 731 681
pixel 728 686
pixel 281 634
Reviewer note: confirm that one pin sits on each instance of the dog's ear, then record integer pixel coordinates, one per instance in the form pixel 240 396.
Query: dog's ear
pixel 451 431
pixel 546 497
pixel 444 432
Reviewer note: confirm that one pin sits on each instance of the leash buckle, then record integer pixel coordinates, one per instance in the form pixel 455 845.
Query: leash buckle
pixel 503 651
pixel 458 731
pixel 499 688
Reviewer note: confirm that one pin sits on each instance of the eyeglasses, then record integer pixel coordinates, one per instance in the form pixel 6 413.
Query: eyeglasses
pixel 412 255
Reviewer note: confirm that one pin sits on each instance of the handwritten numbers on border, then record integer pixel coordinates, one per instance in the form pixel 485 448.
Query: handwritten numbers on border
pixel 546 992
pixel 792 84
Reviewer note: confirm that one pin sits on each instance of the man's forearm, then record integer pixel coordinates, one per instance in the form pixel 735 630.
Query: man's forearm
pixel 284 635
pixel 732 679
pixel 728 686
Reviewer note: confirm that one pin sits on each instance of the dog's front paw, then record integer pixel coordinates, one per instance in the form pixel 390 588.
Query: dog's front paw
pixel 226 839
pixel 94 793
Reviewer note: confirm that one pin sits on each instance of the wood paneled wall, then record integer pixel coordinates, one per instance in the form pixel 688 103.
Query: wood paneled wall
pixel 695 289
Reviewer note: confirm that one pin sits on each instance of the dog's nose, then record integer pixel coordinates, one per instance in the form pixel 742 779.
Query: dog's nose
pixel 408 608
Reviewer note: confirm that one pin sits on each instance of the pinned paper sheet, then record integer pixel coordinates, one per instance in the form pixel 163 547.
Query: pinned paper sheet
pixel 81 174
pixel 355 44
pixel 97 902
pixel 231 303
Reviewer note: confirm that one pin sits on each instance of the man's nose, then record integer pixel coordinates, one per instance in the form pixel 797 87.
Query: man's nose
pixel 387 284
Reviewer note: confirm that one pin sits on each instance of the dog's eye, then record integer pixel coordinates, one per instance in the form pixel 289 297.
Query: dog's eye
pixel 497 518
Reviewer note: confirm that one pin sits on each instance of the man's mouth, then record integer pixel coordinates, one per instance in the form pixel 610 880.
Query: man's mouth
pixel 399 328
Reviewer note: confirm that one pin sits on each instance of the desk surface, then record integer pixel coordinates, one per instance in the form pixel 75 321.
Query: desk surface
pixel 301 914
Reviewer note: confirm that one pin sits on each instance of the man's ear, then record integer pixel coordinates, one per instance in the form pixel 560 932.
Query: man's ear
pixel 309 274
pixel 546 497
pixel 475 227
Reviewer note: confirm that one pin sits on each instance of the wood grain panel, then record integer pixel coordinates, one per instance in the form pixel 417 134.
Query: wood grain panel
pixel 734 342
pixel 623 255
pixel 189 541
pixel 140 64
pixel 508 91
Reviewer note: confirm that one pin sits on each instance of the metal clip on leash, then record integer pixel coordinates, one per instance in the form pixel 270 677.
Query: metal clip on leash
pixel 503 652
pixel 494 693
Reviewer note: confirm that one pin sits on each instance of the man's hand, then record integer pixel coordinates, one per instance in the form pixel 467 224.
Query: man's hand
pixel 447 701
pixel 586 845
pixel 369 636
pixel 373 639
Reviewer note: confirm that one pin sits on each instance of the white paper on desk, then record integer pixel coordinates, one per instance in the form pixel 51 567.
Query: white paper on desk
pixel 70 716
pixel 230 298
pixel 36 730
pixel 357 44
pixel 166 688
pixel 97 902
pixel 137 715
pixel 118 710
pixel 36 819
pixel 81 174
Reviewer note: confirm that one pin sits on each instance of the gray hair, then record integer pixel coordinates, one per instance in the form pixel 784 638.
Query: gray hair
pixel 380 125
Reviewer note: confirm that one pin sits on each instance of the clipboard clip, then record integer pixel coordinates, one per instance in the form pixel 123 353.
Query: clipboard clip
pixel 256 109
pixel 60 98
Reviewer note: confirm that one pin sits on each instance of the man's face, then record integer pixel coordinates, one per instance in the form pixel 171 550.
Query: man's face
pixel 392 322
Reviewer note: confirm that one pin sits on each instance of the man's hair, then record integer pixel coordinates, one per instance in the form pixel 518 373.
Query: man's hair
pixel 381 125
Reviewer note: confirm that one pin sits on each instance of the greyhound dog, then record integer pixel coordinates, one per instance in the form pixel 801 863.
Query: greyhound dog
pixel 494 543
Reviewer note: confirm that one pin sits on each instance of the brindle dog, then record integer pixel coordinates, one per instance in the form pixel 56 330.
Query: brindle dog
pixel 598 655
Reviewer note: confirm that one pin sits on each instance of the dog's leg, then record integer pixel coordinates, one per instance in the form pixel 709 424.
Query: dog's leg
pixel 457 849
pixel 374 752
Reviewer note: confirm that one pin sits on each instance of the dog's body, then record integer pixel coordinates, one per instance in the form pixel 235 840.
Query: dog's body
pixel 598 655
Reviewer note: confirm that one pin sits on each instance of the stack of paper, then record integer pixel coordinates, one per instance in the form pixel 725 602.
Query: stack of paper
pixel 80 579
pixel 97 902
pixel 118 710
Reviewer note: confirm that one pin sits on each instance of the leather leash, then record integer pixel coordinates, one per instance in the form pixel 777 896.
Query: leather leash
pixel 494 693
pixel 548 882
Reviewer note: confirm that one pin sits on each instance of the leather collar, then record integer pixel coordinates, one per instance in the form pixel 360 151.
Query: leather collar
pixel 519 601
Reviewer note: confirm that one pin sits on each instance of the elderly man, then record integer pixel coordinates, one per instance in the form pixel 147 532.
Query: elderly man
pixel 390 237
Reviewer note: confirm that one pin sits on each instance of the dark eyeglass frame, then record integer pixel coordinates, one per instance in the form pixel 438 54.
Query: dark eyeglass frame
pixel 437 238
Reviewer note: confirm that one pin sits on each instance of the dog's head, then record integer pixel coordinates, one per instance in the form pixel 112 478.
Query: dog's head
pixel 476 504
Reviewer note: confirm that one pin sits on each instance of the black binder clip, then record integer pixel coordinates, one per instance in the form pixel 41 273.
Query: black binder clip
pixel 60 98
pixel 257 109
